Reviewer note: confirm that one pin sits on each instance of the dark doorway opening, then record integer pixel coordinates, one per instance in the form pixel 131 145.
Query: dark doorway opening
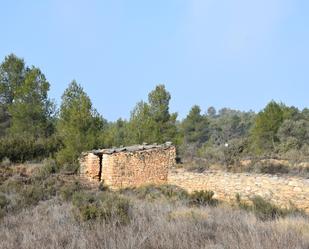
pixel 100 169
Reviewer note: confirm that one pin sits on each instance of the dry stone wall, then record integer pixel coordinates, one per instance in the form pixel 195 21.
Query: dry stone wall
pixel 90 166
pixel 131 169
pixel 282 191
pixel 130 166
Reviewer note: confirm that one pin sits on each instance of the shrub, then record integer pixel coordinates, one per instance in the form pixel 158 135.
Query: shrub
pixel 197 165
pixel 3 201
pixel 104 206
pixel 155 192
pixel 24 148
pixel 268 168
pixel 102 186
pixel 70 168
pixel 31 195
pixel 202 198
pixel 49 167
pixel 6 162
pixel 67 191
pixel 12 185
pixel 264 210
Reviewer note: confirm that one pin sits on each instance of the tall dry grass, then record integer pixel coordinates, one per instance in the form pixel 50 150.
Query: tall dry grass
pixel 154 225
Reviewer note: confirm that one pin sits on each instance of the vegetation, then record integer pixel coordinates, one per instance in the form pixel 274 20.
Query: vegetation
pixel 265 210
pixel 31 127
pixel 43 206
pixel 48 210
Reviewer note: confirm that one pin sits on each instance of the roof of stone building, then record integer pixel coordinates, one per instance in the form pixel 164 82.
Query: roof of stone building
pixel 132 148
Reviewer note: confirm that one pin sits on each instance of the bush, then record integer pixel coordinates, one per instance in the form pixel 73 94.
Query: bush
pixel 268 167
pixel 155 192
pixel 31 195
pixel 102 186
pixel 49 167
pixel 264 210
pixel 202 198
pixel 67 191
pixel 70 168
pixel 105 206
pixel 3 201
pixel 24 148
pixel 6 162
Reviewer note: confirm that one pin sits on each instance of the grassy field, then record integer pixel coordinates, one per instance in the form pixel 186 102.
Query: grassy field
pixel 46 209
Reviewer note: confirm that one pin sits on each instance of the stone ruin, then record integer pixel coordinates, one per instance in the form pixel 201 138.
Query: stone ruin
pixel 130 166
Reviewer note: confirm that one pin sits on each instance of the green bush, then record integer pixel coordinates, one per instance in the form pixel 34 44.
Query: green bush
pixel 268 168
pixel 70 168
pixel 6 162
pixel 265 210
pixel 3 201
pixel 24 148
pixel 105 206
pixel 31 195
pixel 67 191
pixel 49 167
pixel 155 192
pixel 202 198
pixel 12 186
pixel 102 186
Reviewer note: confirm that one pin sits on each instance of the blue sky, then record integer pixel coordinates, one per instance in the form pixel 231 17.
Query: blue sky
pixel 229 53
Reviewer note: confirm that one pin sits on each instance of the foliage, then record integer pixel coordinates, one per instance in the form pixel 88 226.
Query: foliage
pixel 3 201
pixel 49 167
pixel 267 123
pixel 265 210
pixel 31 128
pixel 116 134
pixel 67 191
pixel 79 124
pixel 155 192
pixel 202 198
pixel 195 127
pixel 23 148
pixel 104 206
pixel 151 122
pixel 26 112
pixel 25 107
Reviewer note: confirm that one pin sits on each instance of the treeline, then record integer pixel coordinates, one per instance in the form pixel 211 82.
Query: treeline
pixel 33 128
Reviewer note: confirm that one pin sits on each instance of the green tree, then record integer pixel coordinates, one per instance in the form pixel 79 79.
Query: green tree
pixel 24 104
pixel 142 126
pixel 79 124
pixel 266 125
pixel 211 111
pixel 165 127
pixel 195 127
pixel 116 134
pixel 151 122
pixel 293 134
pixel 32 111
pixel 12 71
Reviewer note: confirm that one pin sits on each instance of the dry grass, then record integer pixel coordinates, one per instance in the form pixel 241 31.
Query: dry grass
pixel 152 226
pixel 43 212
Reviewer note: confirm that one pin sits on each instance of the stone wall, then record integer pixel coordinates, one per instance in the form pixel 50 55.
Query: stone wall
pixel 280 190
pixel 131 169
pixel 90 166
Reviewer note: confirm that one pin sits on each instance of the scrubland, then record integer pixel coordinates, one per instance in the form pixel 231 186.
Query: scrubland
pixel 43 208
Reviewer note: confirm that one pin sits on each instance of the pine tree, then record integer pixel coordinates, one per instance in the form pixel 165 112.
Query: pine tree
pixel 79 124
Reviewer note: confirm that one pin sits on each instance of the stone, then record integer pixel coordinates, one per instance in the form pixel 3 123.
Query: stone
pixel 130 166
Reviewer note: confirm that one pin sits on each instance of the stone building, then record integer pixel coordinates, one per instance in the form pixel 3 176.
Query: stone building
pixel 129 166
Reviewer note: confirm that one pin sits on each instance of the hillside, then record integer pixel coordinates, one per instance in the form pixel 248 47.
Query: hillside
pixel 43 207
